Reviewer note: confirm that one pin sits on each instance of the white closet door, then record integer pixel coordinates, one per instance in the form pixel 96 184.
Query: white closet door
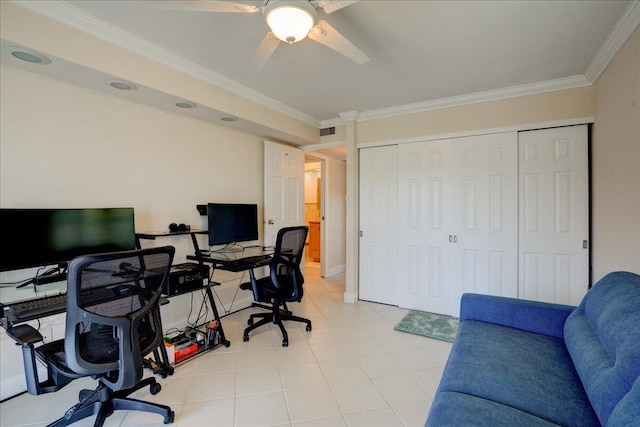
pixel 458 216
pixel 427 221
pixel 554 214
pixel 486 198
pixel 379 224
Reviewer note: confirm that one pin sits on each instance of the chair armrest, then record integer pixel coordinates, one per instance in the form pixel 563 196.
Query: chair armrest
pixel 533 316
pixel 24 334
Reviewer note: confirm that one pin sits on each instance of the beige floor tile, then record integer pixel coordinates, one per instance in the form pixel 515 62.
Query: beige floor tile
pixel 353 369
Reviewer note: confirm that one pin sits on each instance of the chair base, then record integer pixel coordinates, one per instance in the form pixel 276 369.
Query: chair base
pixel 276 317
pixel 103 402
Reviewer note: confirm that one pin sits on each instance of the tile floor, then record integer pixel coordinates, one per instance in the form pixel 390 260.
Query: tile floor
pixel 353 369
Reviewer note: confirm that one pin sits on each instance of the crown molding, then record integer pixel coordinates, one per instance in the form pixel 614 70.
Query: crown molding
pixel 70 15
pixel 617 38
pixel 349 116
pixel 458 101
pixel 478 97
pixel 487 131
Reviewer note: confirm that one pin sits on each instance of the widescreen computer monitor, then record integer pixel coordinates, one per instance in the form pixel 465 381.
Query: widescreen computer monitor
pixel 232 222
pixel 40 237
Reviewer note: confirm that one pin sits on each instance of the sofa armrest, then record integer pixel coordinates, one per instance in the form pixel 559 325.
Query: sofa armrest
pixel 533 316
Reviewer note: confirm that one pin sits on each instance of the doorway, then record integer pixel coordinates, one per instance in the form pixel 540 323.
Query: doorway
pixel 313 210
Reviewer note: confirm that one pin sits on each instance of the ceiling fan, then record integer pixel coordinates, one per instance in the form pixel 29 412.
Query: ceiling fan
pixel 290 21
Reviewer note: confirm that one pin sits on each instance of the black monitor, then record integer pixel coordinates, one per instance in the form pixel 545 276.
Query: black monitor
pixel 232 222
pixel 39 237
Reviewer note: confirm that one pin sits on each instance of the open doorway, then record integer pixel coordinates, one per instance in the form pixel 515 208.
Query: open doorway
pixel 313 210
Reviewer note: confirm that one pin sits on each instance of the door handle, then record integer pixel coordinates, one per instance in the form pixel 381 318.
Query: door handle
pixel 270 222
pixel 450 238
pixel 455 239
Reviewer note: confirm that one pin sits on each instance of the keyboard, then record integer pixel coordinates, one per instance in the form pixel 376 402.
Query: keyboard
pixel 47 306
pixel 40 307
pixel 260 259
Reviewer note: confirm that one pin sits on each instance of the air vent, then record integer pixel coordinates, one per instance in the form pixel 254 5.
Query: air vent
pixel 328 131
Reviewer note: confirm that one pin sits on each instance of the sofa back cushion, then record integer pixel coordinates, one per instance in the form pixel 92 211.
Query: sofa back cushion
pixel 603 338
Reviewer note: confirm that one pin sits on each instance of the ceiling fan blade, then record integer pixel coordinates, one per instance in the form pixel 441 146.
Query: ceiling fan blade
pixel 206 6
pixel 265 50
pixel 330 6
pixel 325 34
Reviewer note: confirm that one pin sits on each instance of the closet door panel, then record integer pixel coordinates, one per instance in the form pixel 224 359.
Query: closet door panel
pixel 379 251
pixel 554 223
pixel 485 242
pixel 426 218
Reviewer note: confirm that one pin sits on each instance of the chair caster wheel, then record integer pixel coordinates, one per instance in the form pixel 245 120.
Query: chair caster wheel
pixel 250 322
pixel 169 418
pixel 308 328
pixel 285 343
pixel 228 343
pixel 155 388
pixel 245 338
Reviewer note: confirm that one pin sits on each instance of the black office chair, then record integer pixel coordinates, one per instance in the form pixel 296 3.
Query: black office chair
pixel 284 283
pixel 112 322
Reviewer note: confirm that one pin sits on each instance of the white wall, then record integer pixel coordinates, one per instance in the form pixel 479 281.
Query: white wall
pixel 65 146
pixel 336 188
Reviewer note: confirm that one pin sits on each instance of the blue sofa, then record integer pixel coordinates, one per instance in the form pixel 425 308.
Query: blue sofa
pixel 525 363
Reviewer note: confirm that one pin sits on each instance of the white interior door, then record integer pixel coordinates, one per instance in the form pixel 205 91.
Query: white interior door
pixel 427 222
pixel 458 220
pixel 379 278
pixel 554 214
pixel 283 189
pixel 486 209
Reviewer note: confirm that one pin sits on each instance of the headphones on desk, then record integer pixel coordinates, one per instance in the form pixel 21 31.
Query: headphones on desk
pixel 179 227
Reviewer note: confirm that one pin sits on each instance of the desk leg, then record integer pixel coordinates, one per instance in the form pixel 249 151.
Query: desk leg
pixel 223 339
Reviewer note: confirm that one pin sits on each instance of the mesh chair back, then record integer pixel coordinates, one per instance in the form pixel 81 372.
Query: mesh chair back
pixel 285 266
pixel 113 314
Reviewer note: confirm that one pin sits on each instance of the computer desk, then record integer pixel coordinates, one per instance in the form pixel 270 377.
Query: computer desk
pixel 56 304
pixel 235 261
pixel 246 259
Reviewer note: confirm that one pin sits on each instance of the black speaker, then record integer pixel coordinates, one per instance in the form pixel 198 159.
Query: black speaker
pixel 179 227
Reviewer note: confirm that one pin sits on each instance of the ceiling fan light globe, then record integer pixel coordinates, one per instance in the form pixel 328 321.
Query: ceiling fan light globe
pixel 290 21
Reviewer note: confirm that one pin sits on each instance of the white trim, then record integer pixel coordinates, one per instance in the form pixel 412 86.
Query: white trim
pixel 336 270
pixel 70 15
pixel 514 128
pixel 457 101
pixel 349 116
pixel 475 98
pixel 617 38
pixel 350 297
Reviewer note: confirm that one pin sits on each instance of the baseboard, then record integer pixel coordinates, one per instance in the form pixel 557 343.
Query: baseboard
pixel 350 297
pixel 336 270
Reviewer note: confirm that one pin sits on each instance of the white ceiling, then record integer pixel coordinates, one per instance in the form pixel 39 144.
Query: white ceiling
pixel 420 51
pixel 424 54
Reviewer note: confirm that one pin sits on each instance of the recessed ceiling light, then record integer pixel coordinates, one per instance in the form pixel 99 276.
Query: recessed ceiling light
pixel 121 85
pixel 185 104
pixel 27 55
pixel 228 118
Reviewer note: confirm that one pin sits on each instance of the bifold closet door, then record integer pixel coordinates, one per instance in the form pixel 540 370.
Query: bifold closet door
pixel 554 214
pixel 378 277
pixel 458 220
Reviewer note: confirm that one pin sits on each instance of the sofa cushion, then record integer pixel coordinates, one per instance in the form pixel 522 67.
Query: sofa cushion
pixel 603 338
pixel 627 411
pixel 457 409
pixel 530 372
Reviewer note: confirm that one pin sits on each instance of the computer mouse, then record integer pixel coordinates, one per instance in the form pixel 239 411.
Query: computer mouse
pixel 124 289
